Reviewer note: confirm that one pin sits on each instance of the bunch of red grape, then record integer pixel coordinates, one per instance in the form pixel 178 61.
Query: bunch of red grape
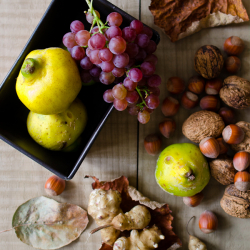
pixel 109 55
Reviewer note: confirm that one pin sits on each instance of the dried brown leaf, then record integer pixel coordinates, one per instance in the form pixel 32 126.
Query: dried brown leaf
pixel 180 18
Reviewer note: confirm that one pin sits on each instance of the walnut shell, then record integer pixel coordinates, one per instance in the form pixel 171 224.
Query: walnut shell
pixel 235 202
pixel 222 170
pixel 208 61
pixel 245 144
pixel 202 124
pixel 236 92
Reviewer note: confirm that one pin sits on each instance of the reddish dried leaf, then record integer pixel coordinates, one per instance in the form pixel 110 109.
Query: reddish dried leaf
pixel 160 213
pixel 180 18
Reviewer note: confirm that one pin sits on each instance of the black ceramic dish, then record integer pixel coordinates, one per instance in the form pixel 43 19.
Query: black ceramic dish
pixel 49 32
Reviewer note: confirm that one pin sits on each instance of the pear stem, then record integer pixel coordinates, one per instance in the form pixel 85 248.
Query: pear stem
pixel 29 67
pixel 99 228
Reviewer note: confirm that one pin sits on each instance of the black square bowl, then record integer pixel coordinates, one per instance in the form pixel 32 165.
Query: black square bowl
pixel 49 32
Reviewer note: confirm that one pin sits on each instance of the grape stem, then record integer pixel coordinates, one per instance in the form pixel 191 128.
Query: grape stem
pixel 96 20
pixel 141 105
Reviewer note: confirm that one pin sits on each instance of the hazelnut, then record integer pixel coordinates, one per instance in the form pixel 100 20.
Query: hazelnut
pixel 241 160
pixel 233 134
pixel 234 45
pixel 202 124
pixel 196 84
pixel 242 181
pixel 210 147
pixel 208 222
pixel 236 92
pixel 170 106
pixel 213 86
pixel 223 145
pixel 54 185
pixel 235 202
pixel 167 127
pixel 152 144
pixel 210 103
pixel 227 115
pixel 175 85
pixel 208 61
pixel 244 145
pixel 232 64
pixel 193 201
pixel 189 100
pixel 222 170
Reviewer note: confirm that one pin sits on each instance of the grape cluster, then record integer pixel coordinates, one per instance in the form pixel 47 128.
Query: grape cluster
pixel 109 54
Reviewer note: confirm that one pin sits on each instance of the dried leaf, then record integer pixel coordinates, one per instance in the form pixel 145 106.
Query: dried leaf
pixel 160 213
pixel 181 18
pixel 44 223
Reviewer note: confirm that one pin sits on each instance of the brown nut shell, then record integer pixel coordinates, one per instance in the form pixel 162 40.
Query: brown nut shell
pixel 235 202
pixel 202 124
pixel 208 61
pixel 222 170
pixel 236 92
pixel 245 144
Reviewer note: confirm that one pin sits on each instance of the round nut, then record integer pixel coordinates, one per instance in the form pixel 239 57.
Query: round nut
pixel 202 124
pixel 222 170
pixel 235 202
pixel 208 61
pixel 236 92
pixel 245 144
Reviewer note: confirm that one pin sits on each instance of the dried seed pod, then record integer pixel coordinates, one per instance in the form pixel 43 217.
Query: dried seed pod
pixel 208 61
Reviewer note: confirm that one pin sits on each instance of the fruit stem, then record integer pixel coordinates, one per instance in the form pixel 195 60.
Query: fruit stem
pixel 188 223
pixel 96 20
pixel 99 228
pixel 140 105
pixel 29 67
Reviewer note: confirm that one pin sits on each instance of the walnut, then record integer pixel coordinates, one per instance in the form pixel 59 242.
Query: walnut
pixel 202 124
pixel 245 144
pixel 235 202
pixel 222 170
pixel 208 61
pixel 236 92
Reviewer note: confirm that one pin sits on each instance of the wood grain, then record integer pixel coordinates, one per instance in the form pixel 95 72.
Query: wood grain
pixel 113 154
pixel 176 59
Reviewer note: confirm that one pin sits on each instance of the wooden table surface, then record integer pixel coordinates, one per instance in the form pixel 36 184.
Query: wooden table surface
pixel 119 149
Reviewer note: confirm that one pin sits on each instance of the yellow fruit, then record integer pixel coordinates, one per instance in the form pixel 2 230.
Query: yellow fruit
pixel 182 170
pixel 56 132
pixel 48 81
